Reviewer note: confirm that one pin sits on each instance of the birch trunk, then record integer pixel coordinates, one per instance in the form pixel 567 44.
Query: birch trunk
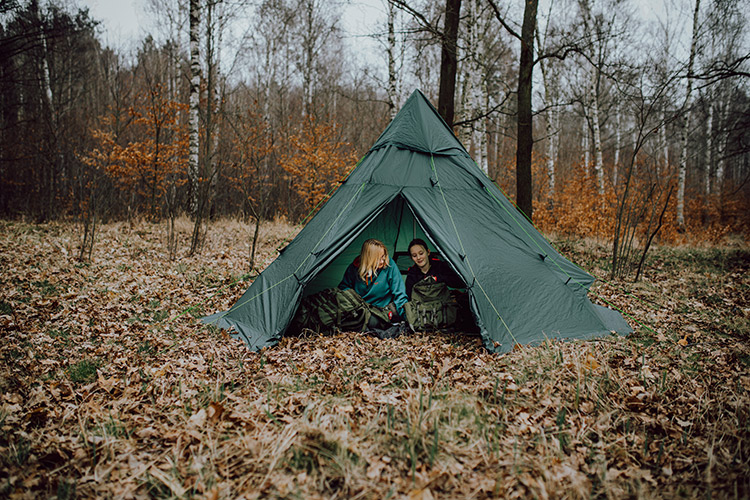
pixel 618 144
pixel 550 98
pixel 597 137
pixel 215 84
pixel 709 147
pixel 46 85
pixel 392 91
pixel 686 122
pixel 481 131
pixel 193 125
pixel 585 143
pixel 664 141
pixel 309 53
pixel 476 88
pixel 722 149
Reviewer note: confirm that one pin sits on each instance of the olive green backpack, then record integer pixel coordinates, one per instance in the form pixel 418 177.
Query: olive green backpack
pixel 432 307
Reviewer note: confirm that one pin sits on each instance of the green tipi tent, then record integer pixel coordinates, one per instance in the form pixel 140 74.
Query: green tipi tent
pixel 419 181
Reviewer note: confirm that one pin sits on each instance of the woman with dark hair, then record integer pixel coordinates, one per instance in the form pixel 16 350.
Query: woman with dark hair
pixel 426 267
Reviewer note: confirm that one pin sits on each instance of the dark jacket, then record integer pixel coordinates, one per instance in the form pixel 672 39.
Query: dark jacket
pixel 439 270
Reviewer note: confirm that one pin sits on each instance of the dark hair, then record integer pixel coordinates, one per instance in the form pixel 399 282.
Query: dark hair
pixel 418 241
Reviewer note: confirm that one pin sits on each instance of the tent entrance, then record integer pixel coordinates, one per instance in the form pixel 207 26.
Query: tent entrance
pixel 395 226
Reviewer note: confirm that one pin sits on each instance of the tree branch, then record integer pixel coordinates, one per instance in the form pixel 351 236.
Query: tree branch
pixel 499 17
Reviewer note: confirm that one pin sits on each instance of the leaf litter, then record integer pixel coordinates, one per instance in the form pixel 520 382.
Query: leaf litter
pixel 111 388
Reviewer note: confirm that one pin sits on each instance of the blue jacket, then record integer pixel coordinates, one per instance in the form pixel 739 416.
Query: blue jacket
pixel 386 287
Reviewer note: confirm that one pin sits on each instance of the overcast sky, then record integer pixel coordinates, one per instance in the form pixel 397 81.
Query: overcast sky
pixel 126 22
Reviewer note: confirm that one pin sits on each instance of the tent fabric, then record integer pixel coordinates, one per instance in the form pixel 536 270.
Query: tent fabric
pixel 419 181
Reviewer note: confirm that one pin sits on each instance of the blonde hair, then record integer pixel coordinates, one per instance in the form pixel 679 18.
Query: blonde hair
pixel 369 258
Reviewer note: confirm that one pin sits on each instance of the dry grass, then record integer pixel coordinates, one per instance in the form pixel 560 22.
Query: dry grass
pixel 111 388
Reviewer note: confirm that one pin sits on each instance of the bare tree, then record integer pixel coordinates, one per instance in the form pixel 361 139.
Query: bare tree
pixel 686 111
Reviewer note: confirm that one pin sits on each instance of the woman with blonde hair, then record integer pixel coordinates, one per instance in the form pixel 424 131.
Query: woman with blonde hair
pixel 376 278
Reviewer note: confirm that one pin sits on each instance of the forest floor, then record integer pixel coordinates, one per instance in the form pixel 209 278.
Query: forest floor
pixel 111 388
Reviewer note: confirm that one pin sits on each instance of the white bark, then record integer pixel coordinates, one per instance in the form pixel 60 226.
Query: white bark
pixel 709 147
pixel 391 49
pixel 618 144
pixel 686 122
pixel 477 87
pixel 44 67
pixel 664 141
pixel 585 142
pixel 309 57
pixel 195 83
pixel 214 32
pixel 597 136
pixel 722 147
pixel 553 116
pixel 473 94
pixel 481 131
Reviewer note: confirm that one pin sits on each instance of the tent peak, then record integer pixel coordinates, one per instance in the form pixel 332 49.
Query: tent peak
pixel 419 127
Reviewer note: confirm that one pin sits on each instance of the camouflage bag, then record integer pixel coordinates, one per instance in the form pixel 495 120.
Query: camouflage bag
pixel 432 307
pixel 334 309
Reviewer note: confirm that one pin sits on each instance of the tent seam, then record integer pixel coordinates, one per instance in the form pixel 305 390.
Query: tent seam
pixel 463 250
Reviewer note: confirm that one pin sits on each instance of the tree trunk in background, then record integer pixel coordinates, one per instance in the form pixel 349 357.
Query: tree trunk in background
pixel 585 149
pixel 550 127
pixel 193 125
pixel 664 142
pixel 525 139
pixel 722 146
pixel 474 95
pixel 309 56
pixel 709 146
pixel 686 122
pixel 618 144
pixel 596 132
pixel 448 62
pixel 481 132
pixel 392 91
pixel 478 96
pixel 551 150
pixel 49 165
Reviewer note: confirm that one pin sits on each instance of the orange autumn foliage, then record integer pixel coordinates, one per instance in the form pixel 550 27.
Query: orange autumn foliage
pixel 251 171
pixel 317 159
pixel 577 207
pixel 147 165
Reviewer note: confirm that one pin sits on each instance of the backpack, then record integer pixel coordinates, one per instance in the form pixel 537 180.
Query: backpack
pixel 333 309
pixel 432 307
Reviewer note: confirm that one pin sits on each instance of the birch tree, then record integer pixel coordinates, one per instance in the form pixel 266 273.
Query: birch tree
pixel 194 109
pixel 474 99
pixel 685 129
pixel 392 89
pixel 316 31
pixel 603 28
pixel 551 101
